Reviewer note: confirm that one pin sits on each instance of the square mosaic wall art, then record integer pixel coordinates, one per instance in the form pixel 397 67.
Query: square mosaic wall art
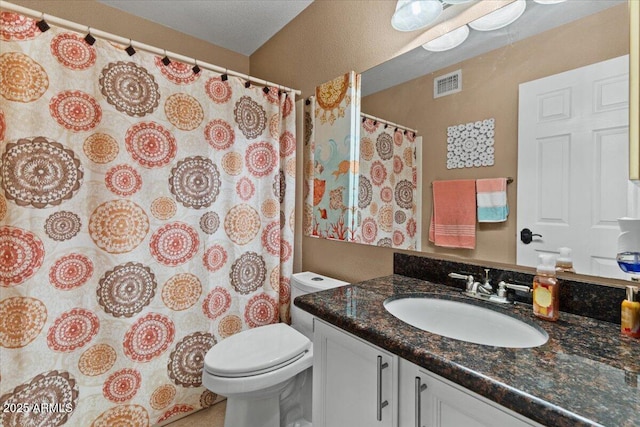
pixel 471 144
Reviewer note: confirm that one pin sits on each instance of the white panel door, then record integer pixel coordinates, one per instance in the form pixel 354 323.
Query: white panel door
pixel 573 133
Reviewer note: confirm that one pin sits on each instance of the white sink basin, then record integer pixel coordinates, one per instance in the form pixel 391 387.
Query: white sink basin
pixel 466 322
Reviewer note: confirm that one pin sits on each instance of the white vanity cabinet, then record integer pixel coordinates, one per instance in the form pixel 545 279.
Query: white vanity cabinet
pixel 427 400
pixel 355 384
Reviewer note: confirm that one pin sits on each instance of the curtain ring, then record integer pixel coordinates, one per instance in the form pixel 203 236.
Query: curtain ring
pixel 130 50
pixel 195 67
pixel 166 61
pixel 42 24
pixel 89 38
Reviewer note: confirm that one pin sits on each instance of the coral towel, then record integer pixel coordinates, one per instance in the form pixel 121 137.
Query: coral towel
pixel 492 200
pixel 453 222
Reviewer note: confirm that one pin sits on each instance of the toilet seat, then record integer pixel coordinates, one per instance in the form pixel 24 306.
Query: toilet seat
pixel 256 351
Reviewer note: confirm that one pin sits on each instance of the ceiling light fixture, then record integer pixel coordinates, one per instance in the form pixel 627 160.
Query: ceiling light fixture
pixel 412 15
pixel 549 1
pixel 500 18
pixel 459 1
pixel 448 41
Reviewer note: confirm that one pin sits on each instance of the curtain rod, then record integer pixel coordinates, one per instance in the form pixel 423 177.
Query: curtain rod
pixel 369 116
pixel 136 45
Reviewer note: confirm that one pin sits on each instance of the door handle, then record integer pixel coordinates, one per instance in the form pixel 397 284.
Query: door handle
pixel 380 404
pixel 419 389
pixel 526 236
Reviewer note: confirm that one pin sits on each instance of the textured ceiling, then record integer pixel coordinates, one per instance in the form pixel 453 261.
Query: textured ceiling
pixel 238 25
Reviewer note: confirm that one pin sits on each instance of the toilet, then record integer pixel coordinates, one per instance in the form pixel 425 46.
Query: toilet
pixel 265 372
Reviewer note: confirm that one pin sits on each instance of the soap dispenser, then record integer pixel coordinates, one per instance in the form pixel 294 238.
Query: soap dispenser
pixel 564 263
pixel 545 289
pixel 630 319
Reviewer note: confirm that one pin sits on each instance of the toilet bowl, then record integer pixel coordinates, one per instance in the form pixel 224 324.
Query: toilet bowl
pixel 265 372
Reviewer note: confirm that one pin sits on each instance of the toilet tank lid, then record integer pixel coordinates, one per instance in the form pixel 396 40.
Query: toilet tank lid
pixel 312 282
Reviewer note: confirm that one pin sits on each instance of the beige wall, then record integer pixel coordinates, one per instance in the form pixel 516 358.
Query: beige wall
pixel 106 18
pixel 331 37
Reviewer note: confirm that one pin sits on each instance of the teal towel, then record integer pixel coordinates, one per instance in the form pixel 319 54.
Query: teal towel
pixel 493 213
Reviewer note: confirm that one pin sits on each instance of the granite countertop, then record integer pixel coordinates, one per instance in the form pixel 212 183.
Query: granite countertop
pixel 585 375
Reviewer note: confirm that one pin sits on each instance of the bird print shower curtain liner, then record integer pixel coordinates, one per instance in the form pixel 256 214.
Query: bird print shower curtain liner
pixel 146 213
pixel 331 158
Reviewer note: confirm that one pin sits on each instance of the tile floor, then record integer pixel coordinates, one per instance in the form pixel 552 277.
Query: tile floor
pixel 210 417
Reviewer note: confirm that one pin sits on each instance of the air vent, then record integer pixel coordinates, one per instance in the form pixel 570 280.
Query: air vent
pixel 447 84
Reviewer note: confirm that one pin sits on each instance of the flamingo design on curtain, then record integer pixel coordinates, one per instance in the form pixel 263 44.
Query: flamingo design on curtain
pixel 146 213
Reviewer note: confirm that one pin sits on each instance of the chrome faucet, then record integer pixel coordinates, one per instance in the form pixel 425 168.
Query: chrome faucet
pixel 485 290
pixel 474 288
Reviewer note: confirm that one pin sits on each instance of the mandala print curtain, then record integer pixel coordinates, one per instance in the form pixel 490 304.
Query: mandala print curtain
pixel 145 215
pixel 387 187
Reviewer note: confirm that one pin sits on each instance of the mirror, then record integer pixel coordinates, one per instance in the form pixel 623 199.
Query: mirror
pixel 360 175
pixel 634 92
pixel 494 64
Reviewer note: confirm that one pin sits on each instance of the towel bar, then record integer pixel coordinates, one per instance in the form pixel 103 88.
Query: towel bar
pixel 509 181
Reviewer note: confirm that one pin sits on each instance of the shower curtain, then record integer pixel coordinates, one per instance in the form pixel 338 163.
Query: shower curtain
pixel 332 164
pixel 387 187
pixel 146 213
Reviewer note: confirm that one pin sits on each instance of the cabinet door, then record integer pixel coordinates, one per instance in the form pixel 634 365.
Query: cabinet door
pixel 414 402
pixel 354 383
pixel 427 400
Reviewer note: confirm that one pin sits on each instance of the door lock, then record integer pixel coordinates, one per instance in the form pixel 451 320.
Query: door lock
pixel 526 236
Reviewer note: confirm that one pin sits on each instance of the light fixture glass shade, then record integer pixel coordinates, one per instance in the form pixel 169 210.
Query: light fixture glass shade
pixel 412 15
pixel 549 1
pixel 459 1
pixel 501 17
pixel 448 41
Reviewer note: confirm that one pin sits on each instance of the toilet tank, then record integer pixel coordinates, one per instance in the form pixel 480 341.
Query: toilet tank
pixel 305 283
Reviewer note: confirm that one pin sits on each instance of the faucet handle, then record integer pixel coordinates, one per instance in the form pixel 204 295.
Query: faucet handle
pixel 502 288
pixel 468 278
pixel 459 276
